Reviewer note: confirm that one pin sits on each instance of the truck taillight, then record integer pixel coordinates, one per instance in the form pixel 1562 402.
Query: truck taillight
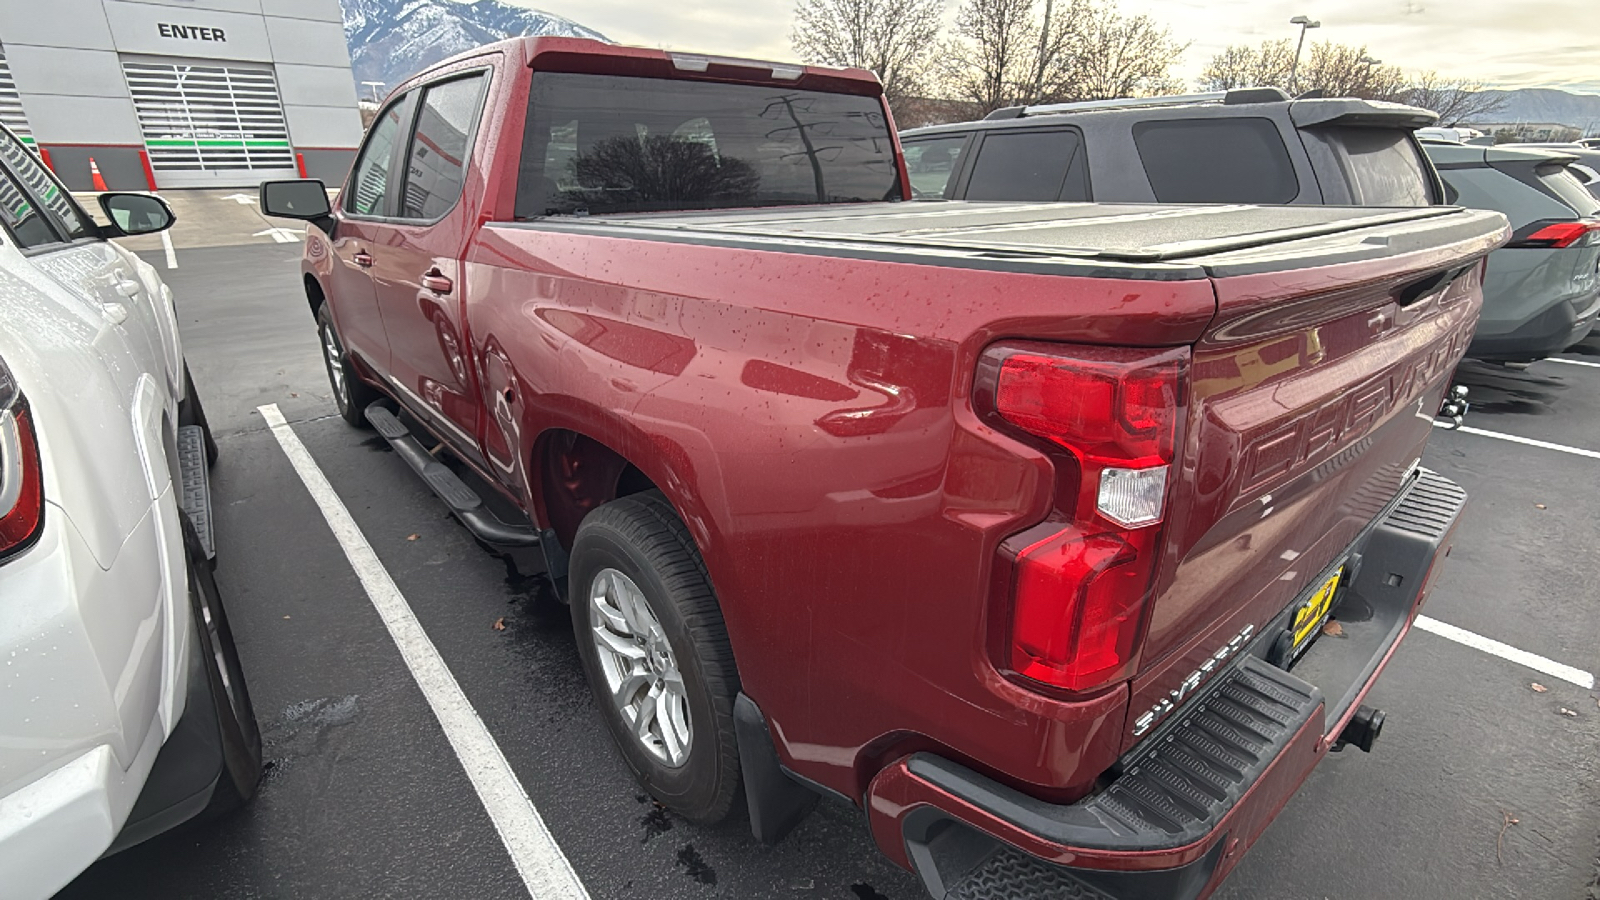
pixel 1109 417
pixel 21 481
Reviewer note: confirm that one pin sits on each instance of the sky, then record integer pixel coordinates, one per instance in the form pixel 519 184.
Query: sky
pixel 1504 43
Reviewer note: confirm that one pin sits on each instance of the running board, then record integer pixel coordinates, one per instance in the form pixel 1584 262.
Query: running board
pixel 194 485
pixel 462 499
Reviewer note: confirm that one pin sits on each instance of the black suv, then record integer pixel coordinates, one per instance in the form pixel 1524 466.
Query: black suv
pixel 1255 145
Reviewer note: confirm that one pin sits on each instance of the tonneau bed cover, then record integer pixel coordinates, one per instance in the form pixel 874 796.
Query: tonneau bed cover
pixel 1116 240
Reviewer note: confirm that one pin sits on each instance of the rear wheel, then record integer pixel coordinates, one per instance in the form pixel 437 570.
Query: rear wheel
pixel 236 716
pixel 657 655
pixel 350 393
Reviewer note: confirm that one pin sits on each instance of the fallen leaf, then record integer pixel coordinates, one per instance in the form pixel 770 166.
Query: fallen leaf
pixel 1538 688
pixel 293 394
pixel 1540 506
pixel 413 537
pixel 1569 712
pixel 1506 821
pixel 500 624
pixel 1333 628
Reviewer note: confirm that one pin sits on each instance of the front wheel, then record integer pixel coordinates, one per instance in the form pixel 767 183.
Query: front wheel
pixel 350 394
pixel 657 654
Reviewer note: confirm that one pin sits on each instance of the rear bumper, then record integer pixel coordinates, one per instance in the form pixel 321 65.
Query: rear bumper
pixel 1564 323
pixel 1178 812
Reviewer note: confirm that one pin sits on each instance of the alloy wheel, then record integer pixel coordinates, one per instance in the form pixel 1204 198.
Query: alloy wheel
pixel 641 671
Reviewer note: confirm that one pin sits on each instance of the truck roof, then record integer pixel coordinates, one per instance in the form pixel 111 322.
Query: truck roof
pixel 1149 242
pixel 592 57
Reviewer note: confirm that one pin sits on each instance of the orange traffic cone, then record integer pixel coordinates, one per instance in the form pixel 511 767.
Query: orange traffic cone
pixel 94 173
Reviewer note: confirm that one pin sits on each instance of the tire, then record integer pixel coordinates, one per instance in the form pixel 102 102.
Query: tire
pixel 236 717
pixel 190 412
pixel 641 539
pixel 350 394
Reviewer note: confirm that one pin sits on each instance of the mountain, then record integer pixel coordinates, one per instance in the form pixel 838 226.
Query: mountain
pixel 390 40
pixel 1547 105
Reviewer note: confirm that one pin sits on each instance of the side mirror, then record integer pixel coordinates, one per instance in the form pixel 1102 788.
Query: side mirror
pixel 1451 195
pixel 132 214
pixel 305 198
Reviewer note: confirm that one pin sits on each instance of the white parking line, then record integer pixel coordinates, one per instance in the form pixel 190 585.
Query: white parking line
pixel 538 859
pixel 172 255
pixel 1560 448
pixel 1574 362
pixel 1533 661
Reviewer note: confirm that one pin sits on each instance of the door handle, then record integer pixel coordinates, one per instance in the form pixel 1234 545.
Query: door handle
pixel 436 281
pixel 363 259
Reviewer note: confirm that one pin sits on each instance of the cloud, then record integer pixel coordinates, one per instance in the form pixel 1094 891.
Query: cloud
pixel 1502 42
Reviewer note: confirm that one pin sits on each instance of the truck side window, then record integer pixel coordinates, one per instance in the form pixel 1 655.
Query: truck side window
pixel 370 184
pixel 1024 165
pixel 1216 161
pixel 932 163
pixel 439 147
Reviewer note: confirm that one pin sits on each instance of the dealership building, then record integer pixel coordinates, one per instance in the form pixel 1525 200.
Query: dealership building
pixel 180 93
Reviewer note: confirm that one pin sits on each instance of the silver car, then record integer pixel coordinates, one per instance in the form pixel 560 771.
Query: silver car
pixel 123 710
pixel 1542 290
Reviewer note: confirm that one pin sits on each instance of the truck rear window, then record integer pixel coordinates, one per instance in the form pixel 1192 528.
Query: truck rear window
pixel 607 144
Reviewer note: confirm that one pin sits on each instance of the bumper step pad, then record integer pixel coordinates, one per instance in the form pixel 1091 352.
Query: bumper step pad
pixel 1175 791
pixel 1189 777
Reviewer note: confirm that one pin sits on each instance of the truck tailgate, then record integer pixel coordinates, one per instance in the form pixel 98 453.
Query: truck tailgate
pixel 1312 394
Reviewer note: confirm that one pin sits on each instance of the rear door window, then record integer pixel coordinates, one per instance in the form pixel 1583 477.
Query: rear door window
pixel 1241 160
pixel 1385 165
pixel 1027 165
pixel 440 144
pixel 932 163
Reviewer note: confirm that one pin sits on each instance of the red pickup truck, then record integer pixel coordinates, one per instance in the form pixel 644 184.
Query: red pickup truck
pixel 1017 526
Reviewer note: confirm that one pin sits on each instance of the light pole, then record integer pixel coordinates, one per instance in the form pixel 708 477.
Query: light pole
pixel 1294 70
pixel 1044 41
pixel 374 85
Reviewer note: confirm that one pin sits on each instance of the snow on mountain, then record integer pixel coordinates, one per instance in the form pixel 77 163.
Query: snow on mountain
pixel 389 40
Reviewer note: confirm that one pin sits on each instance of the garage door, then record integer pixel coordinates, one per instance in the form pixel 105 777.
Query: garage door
pixel 11 104
pixel 216 124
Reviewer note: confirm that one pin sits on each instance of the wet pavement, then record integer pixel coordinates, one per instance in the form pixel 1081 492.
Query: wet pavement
pixel 365 798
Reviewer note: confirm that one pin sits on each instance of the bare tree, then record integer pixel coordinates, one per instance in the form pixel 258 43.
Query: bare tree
pixel 1337 70
pixel 992 62
pixel 1119 56
pixel 894 38
pixel 1006 53
pixel 1456 100
pixel 1242 66
pixel 1342 70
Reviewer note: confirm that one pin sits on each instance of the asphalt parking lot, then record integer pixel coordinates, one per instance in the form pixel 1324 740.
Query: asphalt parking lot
pixel 1481 786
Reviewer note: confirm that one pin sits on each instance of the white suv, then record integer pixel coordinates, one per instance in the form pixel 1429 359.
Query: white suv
pixel 123 710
